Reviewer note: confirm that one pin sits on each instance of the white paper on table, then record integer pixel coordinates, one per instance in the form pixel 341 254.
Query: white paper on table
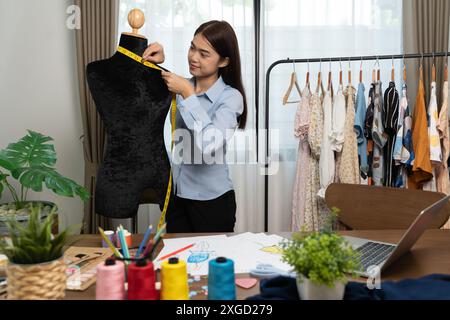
pixel 197 258
pixel 247 250
pixel 257 248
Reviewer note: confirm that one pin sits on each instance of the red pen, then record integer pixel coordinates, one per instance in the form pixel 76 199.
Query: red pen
pixel 175 252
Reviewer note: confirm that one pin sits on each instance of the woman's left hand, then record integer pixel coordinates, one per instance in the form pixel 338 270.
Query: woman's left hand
pixel 177 84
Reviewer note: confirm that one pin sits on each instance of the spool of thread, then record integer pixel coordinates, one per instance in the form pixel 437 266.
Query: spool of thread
pixel 174 280
pixel 221 285
pixel 110 280
pixel 110 235
pixel 128 239
pixel 141 281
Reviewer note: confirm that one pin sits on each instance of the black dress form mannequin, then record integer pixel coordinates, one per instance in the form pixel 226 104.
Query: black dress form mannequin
pixel 133 101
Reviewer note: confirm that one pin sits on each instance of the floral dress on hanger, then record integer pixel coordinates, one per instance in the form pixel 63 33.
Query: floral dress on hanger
pixel 349 166
pixel 403 147
pixel 315 209
pixel 301 128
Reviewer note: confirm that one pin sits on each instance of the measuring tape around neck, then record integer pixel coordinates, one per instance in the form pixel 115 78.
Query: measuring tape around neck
pixel 139 59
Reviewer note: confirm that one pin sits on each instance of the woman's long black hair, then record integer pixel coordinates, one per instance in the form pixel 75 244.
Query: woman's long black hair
pixel 223 39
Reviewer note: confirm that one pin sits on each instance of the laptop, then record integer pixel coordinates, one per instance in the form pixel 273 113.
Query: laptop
pixel 376 256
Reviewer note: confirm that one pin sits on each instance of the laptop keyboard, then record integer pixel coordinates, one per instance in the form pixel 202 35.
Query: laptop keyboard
pixel 374 253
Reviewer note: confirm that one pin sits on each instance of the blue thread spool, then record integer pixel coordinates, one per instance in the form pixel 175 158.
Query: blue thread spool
pixel 221 284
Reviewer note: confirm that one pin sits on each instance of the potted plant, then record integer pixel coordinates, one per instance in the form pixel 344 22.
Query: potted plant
pixel 32 161
pixel 322 260
pixel 35 269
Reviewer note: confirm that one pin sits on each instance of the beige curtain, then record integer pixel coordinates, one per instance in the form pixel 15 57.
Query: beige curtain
pixel 425 29
pixel 94 41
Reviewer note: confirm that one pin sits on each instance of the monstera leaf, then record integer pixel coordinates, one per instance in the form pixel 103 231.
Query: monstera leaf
pixel 32 150
pixel 2 178
pixel 31 160
pixel 6 162
pixel 34 177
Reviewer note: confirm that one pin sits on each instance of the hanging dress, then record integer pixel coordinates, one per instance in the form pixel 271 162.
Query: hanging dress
pixel 368 124
pixel 433 136
pixel 301 127
pixel 349 166
pixel 422 170
pixel 338 126
pixel 326 161
pixel 442 177
pixel 315 209
pixel 378 137
pixel 403 148
pixel 360 117
pixel 390 119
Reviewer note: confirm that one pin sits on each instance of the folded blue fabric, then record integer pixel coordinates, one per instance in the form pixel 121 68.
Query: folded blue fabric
pixel 431 287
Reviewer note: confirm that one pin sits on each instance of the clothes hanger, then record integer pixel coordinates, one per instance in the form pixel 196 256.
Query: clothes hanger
pixel 136 20
pixel 361 72
pixel 307 75
pixel 349 72
pixel 319 76
pixel 446 68
pixel 374 73
pixel 404 70
pixel 340 72
pixel 433 71
pixel 329 76
pixel 393 70
pixel 378 71
pixel 291 85
pixel 421 69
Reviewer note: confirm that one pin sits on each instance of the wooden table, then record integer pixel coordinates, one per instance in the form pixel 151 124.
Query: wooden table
pixel 431 254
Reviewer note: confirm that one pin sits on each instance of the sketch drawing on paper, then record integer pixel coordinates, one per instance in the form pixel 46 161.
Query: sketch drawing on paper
pixel 200 254
pixel 272 249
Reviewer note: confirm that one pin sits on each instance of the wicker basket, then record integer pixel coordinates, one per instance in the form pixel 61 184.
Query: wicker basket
pixel 44 281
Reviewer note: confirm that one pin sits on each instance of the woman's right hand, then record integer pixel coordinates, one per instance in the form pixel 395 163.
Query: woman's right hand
pixel 154 53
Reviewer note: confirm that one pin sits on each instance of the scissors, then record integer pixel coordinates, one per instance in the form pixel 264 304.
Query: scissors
pixel 265 271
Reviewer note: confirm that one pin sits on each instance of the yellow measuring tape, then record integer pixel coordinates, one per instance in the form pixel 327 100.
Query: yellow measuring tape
pixel 139 59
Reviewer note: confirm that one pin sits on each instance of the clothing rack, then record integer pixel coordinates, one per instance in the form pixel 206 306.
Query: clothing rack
pixel 314 60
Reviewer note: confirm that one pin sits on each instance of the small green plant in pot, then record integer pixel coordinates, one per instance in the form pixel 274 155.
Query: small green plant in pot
pixel 36 269
pixel 322 260
pixel 31 161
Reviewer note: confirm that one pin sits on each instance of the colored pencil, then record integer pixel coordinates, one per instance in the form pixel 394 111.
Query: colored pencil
pixel 123 243
pixel 109 243
pixel 144 241
pixel 155 239
pixel 176 252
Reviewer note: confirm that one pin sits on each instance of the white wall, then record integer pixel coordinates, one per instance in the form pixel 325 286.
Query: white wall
pixel 39 90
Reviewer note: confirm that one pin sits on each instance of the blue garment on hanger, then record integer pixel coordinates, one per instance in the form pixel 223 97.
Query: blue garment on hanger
pixel 360 118
pixel 431 287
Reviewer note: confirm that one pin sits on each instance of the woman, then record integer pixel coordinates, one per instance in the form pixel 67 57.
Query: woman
pixel 210 106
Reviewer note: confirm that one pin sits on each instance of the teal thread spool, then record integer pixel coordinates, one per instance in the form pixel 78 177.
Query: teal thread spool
pixel 221 284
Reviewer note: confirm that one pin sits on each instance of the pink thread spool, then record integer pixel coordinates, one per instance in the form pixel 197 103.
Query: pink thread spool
pixel 110 280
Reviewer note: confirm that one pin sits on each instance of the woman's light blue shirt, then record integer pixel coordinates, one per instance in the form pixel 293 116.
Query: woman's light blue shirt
pixel 207 121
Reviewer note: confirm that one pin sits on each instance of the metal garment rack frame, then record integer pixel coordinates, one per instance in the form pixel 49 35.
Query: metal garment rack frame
pixel 315 60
